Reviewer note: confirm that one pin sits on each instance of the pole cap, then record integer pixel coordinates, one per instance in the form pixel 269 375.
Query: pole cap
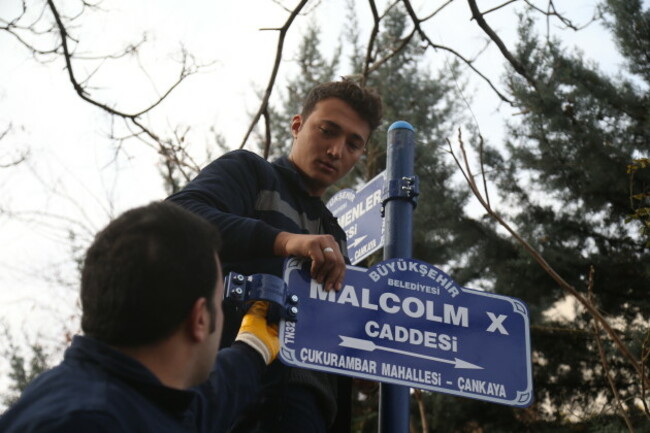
pixel 401 124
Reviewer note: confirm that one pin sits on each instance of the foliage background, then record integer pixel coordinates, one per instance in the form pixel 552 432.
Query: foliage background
pixel 556 158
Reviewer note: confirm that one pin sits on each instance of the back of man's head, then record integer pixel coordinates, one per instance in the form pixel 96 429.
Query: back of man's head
pixel 364 100
pixel 144 272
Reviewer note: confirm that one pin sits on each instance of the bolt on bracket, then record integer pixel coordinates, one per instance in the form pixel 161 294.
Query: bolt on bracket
pixel 243 290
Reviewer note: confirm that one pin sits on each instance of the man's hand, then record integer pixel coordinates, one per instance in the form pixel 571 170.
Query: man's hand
pixel 258 334
pixel 327 262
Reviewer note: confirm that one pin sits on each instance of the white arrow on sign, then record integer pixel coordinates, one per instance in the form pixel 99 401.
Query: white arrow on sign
pixel 369 346
pixel 357 241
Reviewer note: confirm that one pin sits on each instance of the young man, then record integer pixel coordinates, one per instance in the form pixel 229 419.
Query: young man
pixel 151 293
pixel 269 211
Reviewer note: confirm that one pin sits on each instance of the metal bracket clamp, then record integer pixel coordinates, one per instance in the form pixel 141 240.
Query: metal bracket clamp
pixel 243 289
pixel 406 188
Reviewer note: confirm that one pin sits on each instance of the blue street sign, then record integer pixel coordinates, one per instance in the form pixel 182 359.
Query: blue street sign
pixel 406 322
pixel 359 214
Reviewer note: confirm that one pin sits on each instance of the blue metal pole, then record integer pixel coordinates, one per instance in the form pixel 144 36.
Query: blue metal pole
pixel 399 202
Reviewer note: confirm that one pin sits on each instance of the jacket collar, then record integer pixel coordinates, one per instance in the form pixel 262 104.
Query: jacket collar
pixel 131 372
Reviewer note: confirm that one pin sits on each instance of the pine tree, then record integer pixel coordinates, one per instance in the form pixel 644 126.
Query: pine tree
pixel 564 172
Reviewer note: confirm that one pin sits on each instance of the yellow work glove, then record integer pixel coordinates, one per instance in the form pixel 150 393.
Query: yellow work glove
pixel 258 334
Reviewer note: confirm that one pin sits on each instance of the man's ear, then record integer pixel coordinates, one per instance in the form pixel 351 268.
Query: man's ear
pixel 198 322
pixel 296 124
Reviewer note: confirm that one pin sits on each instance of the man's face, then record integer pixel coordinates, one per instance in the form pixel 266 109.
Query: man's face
pixel 327 143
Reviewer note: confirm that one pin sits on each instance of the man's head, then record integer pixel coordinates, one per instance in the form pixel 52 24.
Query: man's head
pixel 331 132
pixel 145 272
pixel 363 100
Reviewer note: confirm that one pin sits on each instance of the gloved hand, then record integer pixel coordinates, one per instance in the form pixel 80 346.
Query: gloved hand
pixel 258 334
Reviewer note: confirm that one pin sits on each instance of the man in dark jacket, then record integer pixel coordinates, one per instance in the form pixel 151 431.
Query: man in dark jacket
pixel 151 294
pixel 269 211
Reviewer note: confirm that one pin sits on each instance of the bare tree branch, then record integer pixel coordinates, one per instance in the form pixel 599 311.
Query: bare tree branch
pixel 267 133
pixel 425 37
pixel 315 4
pixel 129 50
pixel 417 394
pixel 478 16
pixel 173 152
pixel 4 133
pixel 482 162
pixel 15 160
pixel 603 357
pixel 496 8
pixel 434 13
pixel 395 51
pixel 276 66
pixel 14 28
pixel 371 42
pixel 645 355
pixel 81 91
pixel 551 11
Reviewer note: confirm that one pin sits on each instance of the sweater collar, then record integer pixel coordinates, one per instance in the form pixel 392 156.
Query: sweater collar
pixel 288 169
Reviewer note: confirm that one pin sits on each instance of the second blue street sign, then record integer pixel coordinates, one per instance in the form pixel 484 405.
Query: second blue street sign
pixel 406 322
pixel 359 214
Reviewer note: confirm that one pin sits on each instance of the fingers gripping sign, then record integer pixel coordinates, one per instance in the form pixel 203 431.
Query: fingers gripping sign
pixel 327 261
pixel 328 264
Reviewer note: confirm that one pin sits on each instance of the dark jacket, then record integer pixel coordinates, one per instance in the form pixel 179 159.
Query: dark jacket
pixel 98 389
pixel 251 200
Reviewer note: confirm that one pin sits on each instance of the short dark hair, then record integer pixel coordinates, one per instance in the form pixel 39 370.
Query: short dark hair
pixel 364 100
pixel 144 272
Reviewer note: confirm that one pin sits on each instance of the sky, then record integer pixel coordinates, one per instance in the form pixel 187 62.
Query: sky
pixel 74 178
